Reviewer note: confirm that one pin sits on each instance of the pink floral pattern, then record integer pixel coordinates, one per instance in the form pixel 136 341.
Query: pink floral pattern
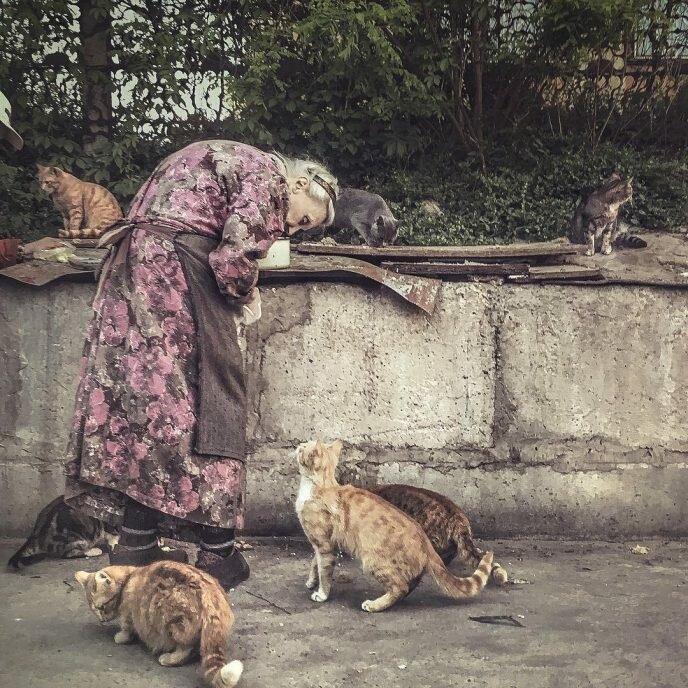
pixel 135 409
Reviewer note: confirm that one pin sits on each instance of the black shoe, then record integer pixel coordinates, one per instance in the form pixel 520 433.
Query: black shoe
pixel 123 556
pixel 229 571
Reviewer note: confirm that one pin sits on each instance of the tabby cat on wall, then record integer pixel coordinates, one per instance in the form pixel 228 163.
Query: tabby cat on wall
pixel 86 208
pixel 595 221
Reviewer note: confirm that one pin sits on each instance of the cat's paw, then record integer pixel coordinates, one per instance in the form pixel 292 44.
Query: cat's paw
pixel 123 637
pixel 589 252
pixel 499 575
pixel 178 657
pixel 93 552
pixel 311 583
pixel 368 606
pixel 319 596
pixel 606 250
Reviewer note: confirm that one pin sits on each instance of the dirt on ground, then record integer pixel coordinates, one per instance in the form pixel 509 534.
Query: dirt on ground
pixel 590 614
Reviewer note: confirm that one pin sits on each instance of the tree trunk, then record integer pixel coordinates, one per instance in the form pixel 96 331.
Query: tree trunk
pixel 94 32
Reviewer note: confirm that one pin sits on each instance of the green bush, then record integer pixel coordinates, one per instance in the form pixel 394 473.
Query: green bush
pixel 529 193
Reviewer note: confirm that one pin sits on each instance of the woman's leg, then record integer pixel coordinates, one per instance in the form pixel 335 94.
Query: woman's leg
pixel 219 557
pixel 139 531
pixel 218 541
pixel 138 539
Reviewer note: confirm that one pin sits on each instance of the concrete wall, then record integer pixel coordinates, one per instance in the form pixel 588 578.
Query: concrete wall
pixel 539 409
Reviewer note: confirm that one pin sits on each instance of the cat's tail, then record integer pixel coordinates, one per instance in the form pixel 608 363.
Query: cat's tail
pixel 32 550
pixel 460 587
pixel 469 552
pixel 630 241
pixel 29 553
pixel 217 671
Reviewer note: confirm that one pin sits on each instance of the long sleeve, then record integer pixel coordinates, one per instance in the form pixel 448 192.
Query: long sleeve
pixel 255 221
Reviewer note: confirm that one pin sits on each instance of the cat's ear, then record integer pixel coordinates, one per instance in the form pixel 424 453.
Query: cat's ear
pixel 56 171
pixel 41 168
pixel 319 446
pixel 82 577
pixel 336 447
pixel 102 577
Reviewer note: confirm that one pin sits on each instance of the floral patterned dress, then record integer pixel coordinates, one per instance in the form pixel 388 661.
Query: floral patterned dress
pixel 136 407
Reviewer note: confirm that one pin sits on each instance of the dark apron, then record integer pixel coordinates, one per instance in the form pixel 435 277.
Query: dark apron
pixel 221 398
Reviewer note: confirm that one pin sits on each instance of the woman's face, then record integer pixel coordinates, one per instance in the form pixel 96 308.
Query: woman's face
pixel 304 212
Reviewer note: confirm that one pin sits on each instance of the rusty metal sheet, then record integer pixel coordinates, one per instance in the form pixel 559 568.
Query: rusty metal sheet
pixel 420 291
pixel 38 273
pixel 478 253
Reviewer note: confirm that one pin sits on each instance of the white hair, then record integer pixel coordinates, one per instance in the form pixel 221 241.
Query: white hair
pixel 302 167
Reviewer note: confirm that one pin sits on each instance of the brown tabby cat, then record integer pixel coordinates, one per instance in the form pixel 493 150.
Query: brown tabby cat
pixel 174 609
pixel 390 545
pixel 87 209
pixel 445 524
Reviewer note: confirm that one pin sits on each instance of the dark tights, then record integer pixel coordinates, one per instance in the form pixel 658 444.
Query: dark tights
pixel 140 531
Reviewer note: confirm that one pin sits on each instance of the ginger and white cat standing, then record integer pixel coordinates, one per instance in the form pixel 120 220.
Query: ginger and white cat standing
pixel 86 208
pixel 174 609
pixel 390 545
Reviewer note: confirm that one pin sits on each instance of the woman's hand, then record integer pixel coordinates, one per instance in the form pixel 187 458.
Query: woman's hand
pixel 252 308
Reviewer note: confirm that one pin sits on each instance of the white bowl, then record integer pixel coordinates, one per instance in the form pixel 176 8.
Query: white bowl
pixel 277 257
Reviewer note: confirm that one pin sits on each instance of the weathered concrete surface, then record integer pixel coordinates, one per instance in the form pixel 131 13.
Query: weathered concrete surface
pixel 41 339
pixel 540 409
pixel 593 615
pixel 664 262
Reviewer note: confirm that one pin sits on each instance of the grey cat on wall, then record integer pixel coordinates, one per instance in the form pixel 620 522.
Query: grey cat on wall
pixel 366 214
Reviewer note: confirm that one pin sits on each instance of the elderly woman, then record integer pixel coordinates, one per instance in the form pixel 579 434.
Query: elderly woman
pixel 158 437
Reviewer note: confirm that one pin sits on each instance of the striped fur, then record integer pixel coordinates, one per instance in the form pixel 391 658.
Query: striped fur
pixel 595 221
pixel 445 524
pixel 86 208
pixel 390 545
pixel 630 241
pixel 175 610
pixel 60 532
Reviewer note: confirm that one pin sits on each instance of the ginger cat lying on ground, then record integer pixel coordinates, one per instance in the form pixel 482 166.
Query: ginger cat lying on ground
pixel 389 544
pixel 172 608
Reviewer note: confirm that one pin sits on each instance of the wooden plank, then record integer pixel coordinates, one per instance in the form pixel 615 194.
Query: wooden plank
pixel 84 243
pixel 458 269
pixel 543 273
pixel 536 250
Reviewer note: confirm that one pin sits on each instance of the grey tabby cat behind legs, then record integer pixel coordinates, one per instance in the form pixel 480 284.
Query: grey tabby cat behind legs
pixel 367 214
pixel 61 532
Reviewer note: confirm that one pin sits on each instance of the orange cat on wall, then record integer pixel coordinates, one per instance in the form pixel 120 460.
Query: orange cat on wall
pixel 87 209
pixel 390 545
